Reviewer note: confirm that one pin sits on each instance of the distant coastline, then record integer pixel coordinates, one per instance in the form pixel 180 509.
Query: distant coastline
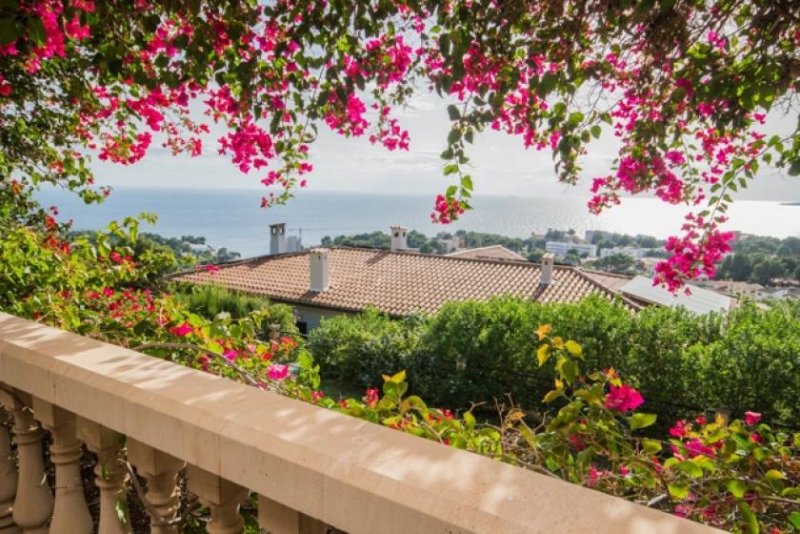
pixel 790 203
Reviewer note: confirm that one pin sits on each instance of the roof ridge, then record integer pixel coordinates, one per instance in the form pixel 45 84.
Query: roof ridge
pixel 405 252
pixel 605 273
pixel 240 261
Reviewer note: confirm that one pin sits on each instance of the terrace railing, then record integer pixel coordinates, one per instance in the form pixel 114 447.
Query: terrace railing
pixel 313 470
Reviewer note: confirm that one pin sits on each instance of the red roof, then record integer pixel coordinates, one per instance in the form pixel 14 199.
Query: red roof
pixel 398 283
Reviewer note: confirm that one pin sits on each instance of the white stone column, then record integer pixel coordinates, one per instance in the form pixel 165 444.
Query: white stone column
pixel 160 470
pixel 222 497
pixel 8 479
pixel 111 475
pixel 71 513
pixel 33 504
pixel 275 518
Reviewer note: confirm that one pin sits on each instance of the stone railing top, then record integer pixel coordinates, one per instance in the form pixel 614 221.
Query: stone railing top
pixel 351 474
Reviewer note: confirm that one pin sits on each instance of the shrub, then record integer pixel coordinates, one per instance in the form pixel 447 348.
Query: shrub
pixel 476 352
pixel 360 349
pixel 481 351
pixel 210 301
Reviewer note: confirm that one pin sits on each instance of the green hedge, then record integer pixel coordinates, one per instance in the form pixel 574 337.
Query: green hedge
pixel 474 352
pixel 359 349
pixel 209 301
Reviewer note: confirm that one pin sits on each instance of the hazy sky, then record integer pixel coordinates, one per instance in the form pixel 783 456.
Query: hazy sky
pixel 500 165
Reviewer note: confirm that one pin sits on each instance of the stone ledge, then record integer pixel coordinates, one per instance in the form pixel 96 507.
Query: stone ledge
pixel 349 473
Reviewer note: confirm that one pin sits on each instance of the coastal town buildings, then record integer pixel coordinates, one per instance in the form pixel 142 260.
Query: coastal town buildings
pixel 561 248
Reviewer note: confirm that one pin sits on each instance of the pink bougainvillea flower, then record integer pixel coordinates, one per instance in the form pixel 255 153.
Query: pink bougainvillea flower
pixel 695 447
pixel 683 510
pixel 755 437
pixel 752 418
pixel 701 420
pixel 278 371
pixel 5 88
pixel 679 429
pixel 624 470
pixel 211 269
pixel 230 355
pixel 371 397
pixel 577 442
pixel 594 475
pixel 623 399
pixel 182 330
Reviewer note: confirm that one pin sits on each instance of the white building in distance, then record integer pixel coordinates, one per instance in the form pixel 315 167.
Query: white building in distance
pixel 561 248
pixel 632 252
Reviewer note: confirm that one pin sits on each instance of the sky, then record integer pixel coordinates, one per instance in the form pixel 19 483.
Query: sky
pixel 500 164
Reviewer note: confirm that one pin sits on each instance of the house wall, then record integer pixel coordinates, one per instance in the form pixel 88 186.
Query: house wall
pixel 312 316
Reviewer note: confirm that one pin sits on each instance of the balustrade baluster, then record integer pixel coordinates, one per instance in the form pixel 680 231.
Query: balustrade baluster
pixel 8 479
pixel 162 497
pixel 110 475
pixel 33 504
pixel 275 518
pixel 70 514
pixel 221 496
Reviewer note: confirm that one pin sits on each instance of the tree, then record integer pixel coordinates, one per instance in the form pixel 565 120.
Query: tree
pixel 736 267
pixel 683 84
pixel 616 263
pixel 768 269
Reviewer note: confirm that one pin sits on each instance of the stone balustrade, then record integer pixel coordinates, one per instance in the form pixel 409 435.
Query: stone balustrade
pixel 313 470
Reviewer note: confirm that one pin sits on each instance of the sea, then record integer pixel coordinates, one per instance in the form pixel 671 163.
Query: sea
pixel 233 218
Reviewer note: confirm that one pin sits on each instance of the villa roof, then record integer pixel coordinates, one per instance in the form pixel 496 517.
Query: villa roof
pixel 492 252
pixel 613 281
pixel 398 283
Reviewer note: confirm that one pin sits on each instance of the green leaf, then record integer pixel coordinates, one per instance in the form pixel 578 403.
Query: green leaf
pixel 454 136
pixel 774 474
pixel 737 487
pixel 750 519
pixel 651 446
pixel 596 131
pixel 794 519
pixel 466 183
pixel 453 112
pixel 641 420
pixel 794 168
pixel 552 395
pixel 547 84
pixel 10 30
pixel 678 490
pixel 575 118
pixel 791 492
pixel 399 377
pixel 469 420
pixel 574 348
pixel 568 369
pixel 690 468
pixel 543 354
pixel 450 168
pixel 36 31
pixel 121 507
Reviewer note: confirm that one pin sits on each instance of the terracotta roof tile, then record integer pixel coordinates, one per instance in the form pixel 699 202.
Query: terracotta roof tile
pixel 398 283
pixel 492 252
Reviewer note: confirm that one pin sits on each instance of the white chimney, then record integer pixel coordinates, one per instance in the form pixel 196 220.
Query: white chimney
pixel 398 234
pixel 277 238
pixel 546 269
pixel 320 270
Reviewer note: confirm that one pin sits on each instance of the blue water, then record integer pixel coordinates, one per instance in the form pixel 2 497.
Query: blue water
pixel 234 219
